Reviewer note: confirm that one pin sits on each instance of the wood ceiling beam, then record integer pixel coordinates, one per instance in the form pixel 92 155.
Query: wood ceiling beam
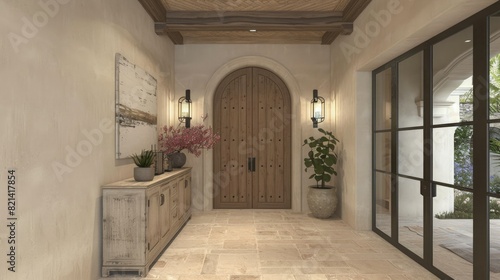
pixel 351 12
pixel 262 21
pixel 155 9
pixel 354 9
pixel 329 37
pixel 158 13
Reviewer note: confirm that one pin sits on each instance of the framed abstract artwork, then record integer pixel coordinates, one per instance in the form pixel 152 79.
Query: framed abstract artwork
pixel 135 108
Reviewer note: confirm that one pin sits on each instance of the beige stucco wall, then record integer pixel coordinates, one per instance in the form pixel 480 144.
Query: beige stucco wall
pixel 386 29
pixel 302 67
pixel 58 84
pixel 57 73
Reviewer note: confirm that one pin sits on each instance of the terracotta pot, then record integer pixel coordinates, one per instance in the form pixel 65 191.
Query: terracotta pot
pixel 177 159
pixel 142 174
pixel 322 201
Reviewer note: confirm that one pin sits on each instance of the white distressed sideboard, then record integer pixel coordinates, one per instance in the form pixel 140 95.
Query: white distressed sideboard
pixel 139 219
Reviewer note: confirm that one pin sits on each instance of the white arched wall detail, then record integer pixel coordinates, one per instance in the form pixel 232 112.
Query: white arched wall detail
pixel 293 87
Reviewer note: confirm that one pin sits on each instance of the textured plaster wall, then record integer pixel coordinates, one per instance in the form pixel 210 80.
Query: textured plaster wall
pixel 302 67
pixel 57 67
pixel 386 29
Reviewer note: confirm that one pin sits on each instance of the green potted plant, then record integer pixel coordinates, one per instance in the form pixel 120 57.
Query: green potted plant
pixel 321 198
pixel 144 171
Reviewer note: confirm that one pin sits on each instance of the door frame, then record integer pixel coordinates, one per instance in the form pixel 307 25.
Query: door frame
pixel 205 202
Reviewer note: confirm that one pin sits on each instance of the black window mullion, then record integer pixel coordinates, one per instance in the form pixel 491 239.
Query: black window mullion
pixel 395 153
pixel 480 149
pixel 428 162
pixel 374 145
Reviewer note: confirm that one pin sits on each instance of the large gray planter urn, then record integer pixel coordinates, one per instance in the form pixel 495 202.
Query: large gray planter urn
pixel 143 174
pixel 322 201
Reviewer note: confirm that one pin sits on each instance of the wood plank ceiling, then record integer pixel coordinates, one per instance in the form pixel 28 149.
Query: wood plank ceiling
pixel 275 21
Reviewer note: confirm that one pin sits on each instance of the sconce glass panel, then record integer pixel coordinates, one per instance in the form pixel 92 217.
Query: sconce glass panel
pixel 184 108
pixel 317 109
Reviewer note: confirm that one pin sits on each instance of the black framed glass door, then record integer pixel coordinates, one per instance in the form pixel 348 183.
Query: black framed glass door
pixel 436 150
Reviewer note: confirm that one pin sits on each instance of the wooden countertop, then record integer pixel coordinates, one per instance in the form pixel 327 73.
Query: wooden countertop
pixel 130 183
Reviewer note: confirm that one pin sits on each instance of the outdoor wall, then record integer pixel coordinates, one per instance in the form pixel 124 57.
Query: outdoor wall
pixel 302 67
pixel 57 67
pixel 386 29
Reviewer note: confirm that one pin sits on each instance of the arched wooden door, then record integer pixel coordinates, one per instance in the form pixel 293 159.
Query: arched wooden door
pixel 252 162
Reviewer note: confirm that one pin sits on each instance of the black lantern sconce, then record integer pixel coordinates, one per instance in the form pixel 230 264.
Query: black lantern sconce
pixel 317 109
pixel 185 108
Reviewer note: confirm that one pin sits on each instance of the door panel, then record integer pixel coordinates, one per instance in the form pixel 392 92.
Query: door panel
pixel 232 119
pixel 271 125
pixel 252 160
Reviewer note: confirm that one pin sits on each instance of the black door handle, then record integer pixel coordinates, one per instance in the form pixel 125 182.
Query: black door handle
pixel 251 164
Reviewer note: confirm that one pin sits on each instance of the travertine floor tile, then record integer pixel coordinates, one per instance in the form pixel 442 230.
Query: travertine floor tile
pixel 278 277
pixel 210 264
pixel 246 264
pixel 242 244
pixel 279 245
pixel 374 267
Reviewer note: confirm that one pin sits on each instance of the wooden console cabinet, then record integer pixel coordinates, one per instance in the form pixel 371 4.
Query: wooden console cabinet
pixel 139 219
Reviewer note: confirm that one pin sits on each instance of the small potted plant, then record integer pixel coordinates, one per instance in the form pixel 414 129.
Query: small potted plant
pixel 144 171
pixel 322 199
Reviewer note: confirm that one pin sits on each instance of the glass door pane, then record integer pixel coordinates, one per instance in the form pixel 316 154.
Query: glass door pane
pixel 411 219
pixel 452 76
pixel 494 67
pixel 411 153
pixel 453 250
pixel 494 165
pixel 494 238
pixel 383 151
pixel 410 92
pixel 383 99
pixel 383 202
pixel 452 156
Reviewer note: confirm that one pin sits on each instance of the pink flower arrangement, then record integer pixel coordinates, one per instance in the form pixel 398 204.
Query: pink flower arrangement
pixel 192 139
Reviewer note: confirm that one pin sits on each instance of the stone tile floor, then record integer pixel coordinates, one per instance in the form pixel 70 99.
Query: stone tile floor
pixel 446 231
pixel 279 245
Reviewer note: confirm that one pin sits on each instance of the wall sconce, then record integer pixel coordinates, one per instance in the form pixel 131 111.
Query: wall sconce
pixel 185 108
pixel 317 109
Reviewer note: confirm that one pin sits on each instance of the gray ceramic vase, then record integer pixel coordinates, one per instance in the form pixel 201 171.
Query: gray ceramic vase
pixel 177 159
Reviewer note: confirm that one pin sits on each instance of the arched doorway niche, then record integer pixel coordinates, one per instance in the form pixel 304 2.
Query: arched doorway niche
pixel 293 86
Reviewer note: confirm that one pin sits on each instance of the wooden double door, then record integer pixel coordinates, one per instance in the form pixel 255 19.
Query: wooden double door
pixel 252 161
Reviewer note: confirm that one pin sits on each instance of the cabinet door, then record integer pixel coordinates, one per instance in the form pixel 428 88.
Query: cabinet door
pixel 187 193
pixel 123 233
pixel 174 202
pixel 181 204
pixel 164 209
pixel 153 229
